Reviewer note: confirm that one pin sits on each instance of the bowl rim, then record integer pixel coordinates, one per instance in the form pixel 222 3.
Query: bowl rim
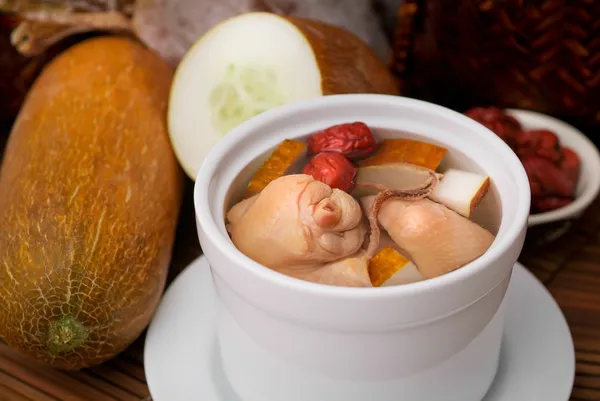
pixel 225 247
pixel 592 187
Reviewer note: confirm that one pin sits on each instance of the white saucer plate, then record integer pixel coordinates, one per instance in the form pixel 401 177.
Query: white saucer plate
pixel 181 358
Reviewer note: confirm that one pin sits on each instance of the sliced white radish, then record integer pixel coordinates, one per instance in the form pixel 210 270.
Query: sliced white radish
pixel 461 191
pixel 257 61
pixel 389 267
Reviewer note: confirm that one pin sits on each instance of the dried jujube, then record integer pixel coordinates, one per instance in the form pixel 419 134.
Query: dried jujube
pixel 353 140
pixel 570 163
pixel 552 170
pixel 552 179
pixel 540 142
pixel 549 203
pixel 333 169
pixel 496 120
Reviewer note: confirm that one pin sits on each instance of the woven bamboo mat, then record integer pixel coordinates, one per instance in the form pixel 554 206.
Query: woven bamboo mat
pixel 570 268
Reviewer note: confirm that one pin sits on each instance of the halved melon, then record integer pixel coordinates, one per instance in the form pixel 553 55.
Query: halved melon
pixel 257 61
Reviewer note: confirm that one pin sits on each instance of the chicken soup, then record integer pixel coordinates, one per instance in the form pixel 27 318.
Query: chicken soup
pixel 347 208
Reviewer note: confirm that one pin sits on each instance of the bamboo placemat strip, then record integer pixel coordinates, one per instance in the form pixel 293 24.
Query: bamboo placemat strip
pixel 8 394
pixel 24 389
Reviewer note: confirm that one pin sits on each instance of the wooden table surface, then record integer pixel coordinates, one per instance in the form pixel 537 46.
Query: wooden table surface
pixel 569 267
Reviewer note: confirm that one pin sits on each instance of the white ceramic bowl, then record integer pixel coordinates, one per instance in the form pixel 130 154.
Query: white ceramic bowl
pixel 436 340
pixel 589 177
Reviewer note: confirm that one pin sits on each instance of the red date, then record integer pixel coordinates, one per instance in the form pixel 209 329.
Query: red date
pixel 542 143
pixel 496 120
pixel 553 180
pixel 353 140
pixel 334 169
pixel 570 163
pixel 536 188
pixel 552 170
pixel 549 203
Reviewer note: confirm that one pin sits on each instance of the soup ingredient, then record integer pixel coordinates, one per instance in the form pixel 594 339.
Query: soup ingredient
pixel 553 170
pixel 438 240
pixel 90 198
pixel 388 267
pixel 406 151
pixel 496 120
pixel 542 143
pixel 461 191
pixel 257 61
pixel 297 224
pixel 551 179
pixel 303 228
pixel 569 163
pixel 410 194
pixel 349 272
pixel 332 169
pixel 282 161
pixel 353 140
pixel 372 179
pixel 544 204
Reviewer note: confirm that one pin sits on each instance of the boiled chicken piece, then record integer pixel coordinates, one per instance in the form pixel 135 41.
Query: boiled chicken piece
pixel 437 239
pixel 297 224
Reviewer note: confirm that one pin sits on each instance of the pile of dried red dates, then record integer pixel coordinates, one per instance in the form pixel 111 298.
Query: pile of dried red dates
pixel 335 148
pixel 553 170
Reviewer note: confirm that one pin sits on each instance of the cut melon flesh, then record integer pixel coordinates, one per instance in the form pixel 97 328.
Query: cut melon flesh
pixel 461 191
pixel 242 67
pixel 405 275
pixel 257 61
pixel 389 267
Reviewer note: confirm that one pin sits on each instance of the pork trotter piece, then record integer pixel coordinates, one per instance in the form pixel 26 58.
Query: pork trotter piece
pixel 352 271
pixel 437 239
pixel 297 224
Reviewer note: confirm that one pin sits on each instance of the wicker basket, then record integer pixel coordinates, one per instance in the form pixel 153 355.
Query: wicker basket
pixel 542 55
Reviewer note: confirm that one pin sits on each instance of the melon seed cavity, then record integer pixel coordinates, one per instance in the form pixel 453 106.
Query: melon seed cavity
pixel 243 93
